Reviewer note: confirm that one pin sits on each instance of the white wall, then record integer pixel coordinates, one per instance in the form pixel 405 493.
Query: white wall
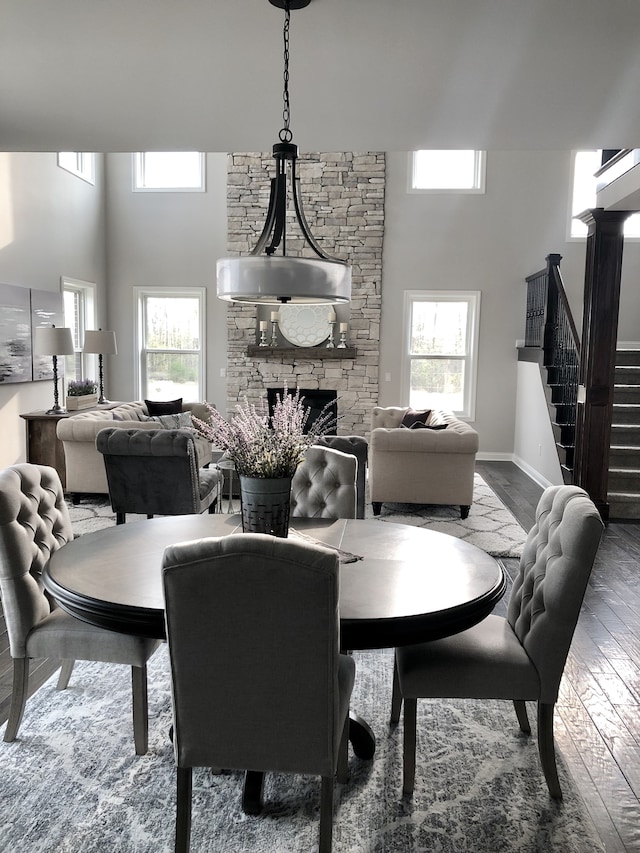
pixel 534 443
pixel 487 242
pixel 165 240
pixel 51 225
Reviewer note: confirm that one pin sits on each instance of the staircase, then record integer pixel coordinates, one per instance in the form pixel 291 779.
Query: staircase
pixel 624 456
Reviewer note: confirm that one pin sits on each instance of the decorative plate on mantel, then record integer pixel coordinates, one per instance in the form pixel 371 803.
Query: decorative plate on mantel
pixel 304 325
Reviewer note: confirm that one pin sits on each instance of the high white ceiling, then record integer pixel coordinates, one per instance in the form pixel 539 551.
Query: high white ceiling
pixel 126 75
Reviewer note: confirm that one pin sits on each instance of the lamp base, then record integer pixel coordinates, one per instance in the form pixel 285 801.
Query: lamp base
pixel 56 410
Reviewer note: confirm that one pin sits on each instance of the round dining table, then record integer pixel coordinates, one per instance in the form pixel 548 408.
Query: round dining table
pixel 398 584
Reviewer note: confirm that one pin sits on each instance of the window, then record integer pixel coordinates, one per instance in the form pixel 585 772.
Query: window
pixel 171 343
pixel 585 165
pixel 447 171
pixel 79 314
pixel 168 171
pixel 441 350
pixel 79 163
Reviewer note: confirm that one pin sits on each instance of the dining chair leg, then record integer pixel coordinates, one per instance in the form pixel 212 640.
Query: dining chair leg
pixel 326 815
pixel 121 517
pixel 342 770
pixel 546 748
pixel 18 697
pixel 183 809
pixel 409 745
pixel 396 696
pixel 140 709
pixel 521 714
pixel 65 674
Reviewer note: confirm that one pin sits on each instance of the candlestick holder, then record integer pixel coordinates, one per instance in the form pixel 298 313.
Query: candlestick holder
pixel 274 337
pixel 263 338
pixel 330 343
pixel 343 340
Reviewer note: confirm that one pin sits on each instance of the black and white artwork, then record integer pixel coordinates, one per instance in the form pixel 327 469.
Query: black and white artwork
pixel 47 309
pixel 15 334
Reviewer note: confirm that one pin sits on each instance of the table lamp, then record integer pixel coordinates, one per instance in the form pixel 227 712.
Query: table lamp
pixel 53 341
pixel 102 343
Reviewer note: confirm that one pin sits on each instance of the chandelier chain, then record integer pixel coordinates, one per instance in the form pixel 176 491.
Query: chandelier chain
pixel 285 133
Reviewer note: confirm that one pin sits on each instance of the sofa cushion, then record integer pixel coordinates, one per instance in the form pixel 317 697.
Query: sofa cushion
pixel 415 416
pixel 164 407
pixel 183 420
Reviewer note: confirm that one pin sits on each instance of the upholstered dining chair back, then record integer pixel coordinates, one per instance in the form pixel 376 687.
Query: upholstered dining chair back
pixel 548 591
pixel 324 485
pixel 34 523
pixel 258 681
pixel 358 447
pixel 155 472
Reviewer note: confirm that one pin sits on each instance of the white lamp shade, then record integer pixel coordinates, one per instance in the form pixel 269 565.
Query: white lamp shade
pixel 51 340
pixel 100 341
pixel 273 280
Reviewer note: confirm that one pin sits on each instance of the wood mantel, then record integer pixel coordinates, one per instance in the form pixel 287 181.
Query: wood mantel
pixel 297 353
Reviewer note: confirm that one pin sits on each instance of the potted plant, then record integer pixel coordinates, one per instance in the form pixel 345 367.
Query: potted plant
pixel 81 394
pixel 265 450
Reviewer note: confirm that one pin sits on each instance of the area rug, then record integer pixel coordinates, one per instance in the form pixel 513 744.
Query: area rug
pixel 71 782
pixel 489 525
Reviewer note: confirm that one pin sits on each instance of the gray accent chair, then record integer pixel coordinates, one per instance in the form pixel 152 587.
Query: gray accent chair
pixel 34 522
pixel 269 606
pixel 324 485
pixel 358 447
pixel 155 472
pixel 520 657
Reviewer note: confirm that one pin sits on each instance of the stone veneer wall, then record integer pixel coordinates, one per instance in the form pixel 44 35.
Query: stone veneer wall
pixel 343 199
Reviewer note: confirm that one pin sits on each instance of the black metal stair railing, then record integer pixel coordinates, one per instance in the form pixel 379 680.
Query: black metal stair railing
pixel 550 326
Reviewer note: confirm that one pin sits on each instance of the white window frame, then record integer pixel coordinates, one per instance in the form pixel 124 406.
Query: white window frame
pixel 138 171
pixel 631 225
pixel 139 295
pixel 480 170
pixel 79 163
pixel 472 297
pixel 86 292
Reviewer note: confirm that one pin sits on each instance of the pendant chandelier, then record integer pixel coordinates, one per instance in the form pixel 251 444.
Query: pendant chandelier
pixel 264 277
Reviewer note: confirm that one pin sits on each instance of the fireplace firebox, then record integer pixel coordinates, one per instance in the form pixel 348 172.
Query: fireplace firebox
pixel 315 400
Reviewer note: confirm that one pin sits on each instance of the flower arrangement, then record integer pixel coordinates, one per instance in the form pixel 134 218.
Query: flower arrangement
pixel 261 445
pixel 81 387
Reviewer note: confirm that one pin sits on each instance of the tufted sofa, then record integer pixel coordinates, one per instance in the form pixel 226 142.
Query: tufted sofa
pixel 85 470
pixel 421 466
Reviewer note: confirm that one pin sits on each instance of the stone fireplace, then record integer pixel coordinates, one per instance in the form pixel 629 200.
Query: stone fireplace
pixel 315 400
pixel 343 196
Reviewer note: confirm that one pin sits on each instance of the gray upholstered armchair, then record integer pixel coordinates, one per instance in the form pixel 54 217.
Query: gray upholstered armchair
pixel 34 522
pixel 155 472
pixel 522 657
pixel 269 606
pixel 324 485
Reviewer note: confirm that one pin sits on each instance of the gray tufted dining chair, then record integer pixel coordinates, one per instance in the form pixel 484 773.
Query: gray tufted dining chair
pixel 324 485
pixel 270 606
pixel 34 522
pixel 520 657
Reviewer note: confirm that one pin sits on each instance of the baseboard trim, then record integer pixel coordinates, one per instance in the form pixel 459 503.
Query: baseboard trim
pixel 494 457
pixel 536 476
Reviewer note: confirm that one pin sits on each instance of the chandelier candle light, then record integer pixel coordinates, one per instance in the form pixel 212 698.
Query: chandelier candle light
pixel 53 341
pixel 269 278
pixel 102 343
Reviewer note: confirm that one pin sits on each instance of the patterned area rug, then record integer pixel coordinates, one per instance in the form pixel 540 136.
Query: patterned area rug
pixel 489 525
pixel 72 782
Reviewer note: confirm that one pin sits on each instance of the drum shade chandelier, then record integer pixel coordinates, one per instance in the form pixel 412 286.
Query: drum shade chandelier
pixel 264 277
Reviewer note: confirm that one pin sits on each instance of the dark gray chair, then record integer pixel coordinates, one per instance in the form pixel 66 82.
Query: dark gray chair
pixel 258 681
pixel 34 522
pixel 358 447
pixel 324 485
pixel 155 472
pixel 520 657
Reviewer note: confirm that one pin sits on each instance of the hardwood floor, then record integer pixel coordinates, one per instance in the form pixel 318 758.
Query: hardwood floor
pixel 598 714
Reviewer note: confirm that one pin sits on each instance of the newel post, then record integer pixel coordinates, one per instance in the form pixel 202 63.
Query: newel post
pixel 603 272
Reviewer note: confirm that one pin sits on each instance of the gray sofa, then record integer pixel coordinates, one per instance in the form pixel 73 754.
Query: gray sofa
pixel 421 466
pixel 84 464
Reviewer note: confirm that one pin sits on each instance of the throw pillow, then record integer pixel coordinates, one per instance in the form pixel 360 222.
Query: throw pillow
pixel 182 420
pixel 413 416
pixel 166 407
pixel 420 425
